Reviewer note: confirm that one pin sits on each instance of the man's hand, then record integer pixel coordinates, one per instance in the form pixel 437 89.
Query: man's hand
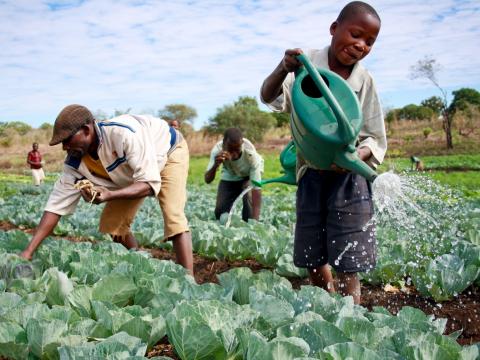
pixel 290 62
pixel 97 196
pixel 27 255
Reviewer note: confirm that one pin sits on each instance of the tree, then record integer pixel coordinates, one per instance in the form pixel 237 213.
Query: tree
pixel 428 68
pixel 465 107
pixel 392 115
pixel 245 115
pixel 283 119
pixel 179 112
pixel 414 112
pixel 119 112
pixel 100 115
pixel 464 97
pixel 18 126
pixel 46 126
pixel 435 103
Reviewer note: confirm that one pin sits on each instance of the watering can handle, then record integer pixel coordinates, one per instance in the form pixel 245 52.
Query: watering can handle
pixel 344 126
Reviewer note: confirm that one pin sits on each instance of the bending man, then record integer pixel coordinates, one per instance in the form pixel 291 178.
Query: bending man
pixel 126 158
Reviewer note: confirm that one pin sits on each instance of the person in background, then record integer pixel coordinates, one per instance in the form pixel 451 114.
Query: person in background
pixel 175 124
pixel 417 163
pixel 241 165
pixel 334 206
pixel 34 159
pixel 126 158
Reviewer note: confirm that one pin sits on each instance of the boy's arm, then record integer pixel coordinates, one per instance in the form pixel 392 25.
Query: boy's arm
pixel 217 157
pixel 210 173
pixel 272 85
pixel 372 135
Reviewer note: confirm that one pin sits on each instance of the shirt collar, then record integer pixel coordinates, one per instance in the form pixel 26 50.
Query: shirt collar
pixel 355 80
pixel 99 132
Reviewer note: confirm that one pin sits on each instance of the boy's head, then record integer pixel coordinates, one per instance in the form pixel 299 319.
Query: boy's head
pixel 232 142
pixel 35 146
pixel 354 32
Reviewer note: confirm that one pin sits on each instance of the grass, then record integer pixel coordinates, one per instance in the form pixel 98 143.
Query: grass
pixel 466 182
pixel 447 162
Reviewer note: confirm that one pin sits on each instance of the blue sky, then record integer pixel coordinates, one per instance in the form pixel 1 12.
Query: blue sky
pixel 145 54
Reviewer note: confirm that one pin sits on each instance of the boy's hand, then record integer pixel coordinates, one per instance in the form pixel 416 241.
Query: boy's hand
pixel 338 169
pixel 364 153
pixel 221 157
pixel 290 62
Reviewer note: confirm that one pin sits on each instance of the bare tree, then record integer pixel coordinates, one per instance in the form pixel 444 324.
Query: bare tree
pixel 428 68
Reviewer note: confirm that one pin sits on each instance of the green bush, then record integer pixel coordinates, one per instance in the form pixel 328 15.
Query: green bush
pixel 427 131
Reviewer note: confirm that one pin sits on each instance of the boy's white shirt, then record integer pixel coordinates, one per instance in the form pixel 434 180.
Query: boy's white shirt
pixel 134 148
pixel 372 134
pixel 249 164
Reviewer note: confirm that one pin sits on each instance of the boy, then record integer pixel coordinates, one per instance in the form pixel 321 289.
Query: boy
pixel 241 164
pixel 334 206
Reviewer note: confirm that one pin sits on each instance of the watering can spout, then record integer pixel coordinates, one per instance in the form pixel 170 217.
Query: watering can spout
pixel 288 178
pixel 288 160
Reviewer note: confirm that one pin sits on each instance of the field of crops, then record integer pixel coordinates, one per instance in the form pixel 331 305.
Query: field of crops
pixel 90 298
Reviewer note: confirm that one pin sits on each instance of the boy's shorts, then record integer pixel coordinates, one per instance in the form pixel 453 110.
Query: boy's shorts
pixel 334 212
pixel 118 215
pixel 38 176
pixel 227 192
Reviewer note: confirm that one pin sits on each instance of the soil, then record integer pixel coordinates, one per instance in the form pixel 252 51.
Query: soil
pixel 462 313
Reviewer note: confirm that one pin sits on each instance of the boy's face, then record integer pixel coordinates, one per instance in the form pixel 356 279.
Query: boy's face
pixel 353 38
pixel 233 149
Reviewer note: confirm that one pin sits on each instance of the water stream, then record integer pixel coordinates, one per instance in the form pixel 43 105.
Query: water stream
pixel 411 207
pixel 239 197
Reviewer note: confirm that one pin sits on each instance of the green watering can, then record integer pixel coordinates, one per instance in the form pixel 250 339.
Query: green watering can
pixel 325 122
pixel 288 160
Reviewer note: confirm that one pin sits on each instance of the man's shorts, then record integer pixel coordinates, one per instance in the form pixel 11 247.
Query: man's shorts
pixel 334 222
pixel 118 215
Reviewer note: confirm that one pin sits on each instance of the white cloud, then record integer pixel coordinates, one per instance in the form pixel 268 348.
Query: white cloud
pixel 145 54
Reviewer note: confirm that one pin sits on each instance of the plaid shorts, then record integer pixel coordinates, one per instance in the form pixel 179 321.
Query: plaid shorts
pixel 334 212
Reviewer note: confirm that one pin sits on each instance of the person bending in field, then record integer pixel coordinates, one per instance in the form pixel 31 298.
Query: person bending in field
pixel 334 206
pixel 241 165
pixel 34 159
pixel 126 158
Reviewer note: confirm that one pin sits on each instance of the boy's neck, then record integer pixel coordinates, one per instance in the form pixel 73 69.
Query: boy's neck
pixel 337 67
